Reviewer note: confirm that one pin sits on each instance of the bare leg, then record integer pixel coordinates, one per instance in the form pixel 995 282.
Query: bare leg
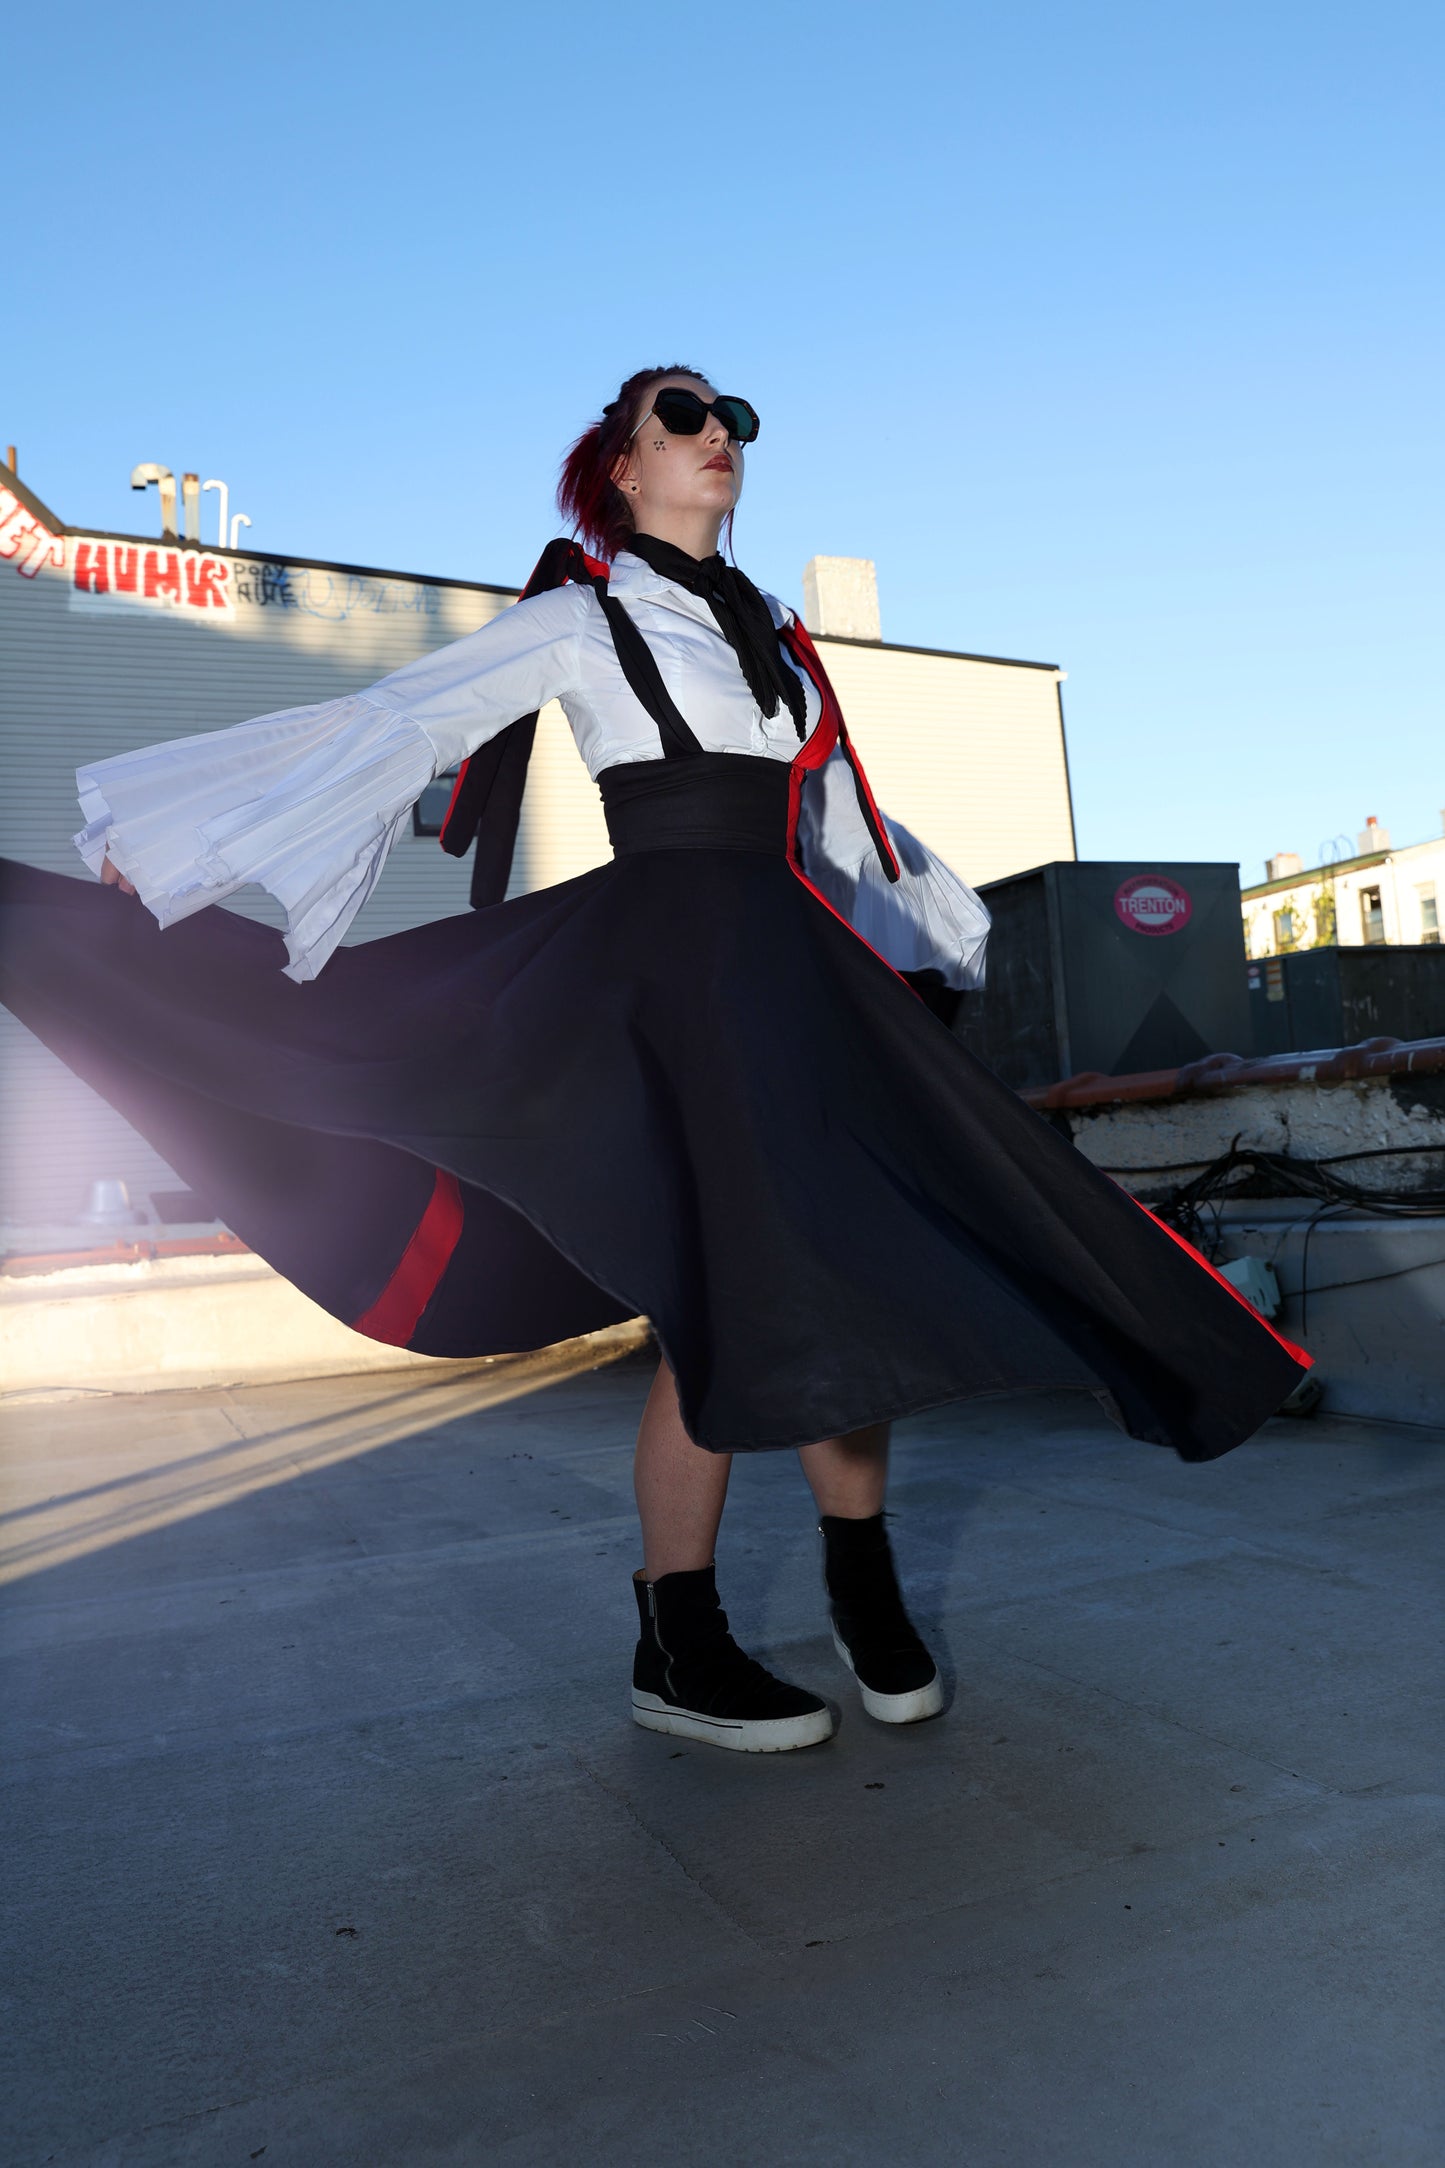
pixel 849 1475
pixel 689 1677
pixel 680 1487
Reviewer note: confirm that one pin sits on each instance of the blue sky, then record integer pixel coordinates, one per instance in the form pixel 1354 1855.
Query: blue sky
pixel 1112 332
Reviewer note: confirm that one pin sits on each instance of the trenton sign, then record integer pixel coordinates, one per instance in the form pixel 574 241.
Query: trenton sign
pixel 1153 903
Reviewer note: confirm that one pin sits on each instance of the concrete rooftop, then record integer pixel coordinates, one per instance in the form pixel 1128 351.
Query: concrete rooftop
pixel 331 1841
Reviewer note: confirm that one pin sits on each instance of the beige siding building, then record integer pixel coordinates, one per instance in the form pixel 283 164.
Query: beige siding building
pixel 115 641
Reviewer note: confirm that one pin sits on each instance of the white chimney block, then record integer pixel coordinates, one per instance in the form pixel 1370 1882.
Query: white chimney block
pixel 840 598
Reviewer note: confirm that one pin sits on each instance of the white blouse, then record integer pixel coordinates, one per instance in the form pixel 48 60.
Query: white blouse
pixel 308 802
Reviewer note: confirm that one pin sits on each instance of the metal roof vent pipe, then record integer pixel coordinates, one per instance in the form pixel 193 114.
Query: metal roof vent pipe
pixel 141 477
pixel 191 502
pixel 110 1206
pixel 840 598
pixel 223 509
pixel 228 527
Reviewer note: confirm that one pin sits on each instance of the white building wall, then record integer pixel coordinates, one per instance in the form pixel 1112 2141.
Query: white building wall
pixel 968 754
pixel 1409 881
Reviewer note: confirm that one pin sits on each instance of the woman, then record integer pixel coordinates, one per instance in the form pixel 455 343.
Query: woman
pixel 692 1084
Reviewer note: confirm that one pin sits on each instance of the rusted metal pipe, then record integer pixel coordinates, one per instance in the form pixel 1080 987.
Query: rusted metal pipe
pixel 1222 1072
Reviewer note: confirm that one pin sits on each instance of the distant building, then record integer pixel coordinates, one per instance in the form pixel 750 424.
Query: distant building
pixel 1379 896
pixel 113 641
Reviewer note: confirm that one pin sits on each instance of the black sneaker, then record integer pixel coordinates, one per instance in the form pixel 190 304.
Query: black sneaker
pixel 872 1632
pixel 690 1677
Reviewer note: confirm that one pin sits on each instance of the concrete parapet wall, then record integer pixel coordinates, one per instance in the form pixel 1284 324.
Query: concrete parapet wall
pixel 187 1322
pixel 1365 1296
pixel 1304 1119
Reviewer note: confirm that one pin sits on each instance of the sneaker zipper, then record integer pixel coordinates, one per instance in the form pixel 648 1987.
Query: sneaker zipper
pixel 657 1637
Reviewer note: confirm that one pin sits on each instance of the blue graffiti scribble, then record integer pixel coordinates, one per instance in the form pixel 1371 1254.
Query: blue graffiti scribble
pixel 332 596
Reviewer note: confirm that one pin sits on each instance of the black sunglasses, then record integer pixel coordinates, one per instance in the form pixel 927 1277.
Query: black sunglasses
pixel 683 414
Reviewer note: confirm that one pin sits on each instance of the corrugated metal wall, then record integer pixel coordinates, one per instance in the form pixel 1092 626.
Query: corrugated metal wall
pixel 968 754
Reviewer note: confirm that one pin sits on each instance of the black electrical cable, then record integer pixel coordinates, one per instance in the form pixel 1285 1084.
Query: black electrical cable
pixel 1280 1174
pixel 1222 1179
pixel 1304 1265
pixel 1368 1279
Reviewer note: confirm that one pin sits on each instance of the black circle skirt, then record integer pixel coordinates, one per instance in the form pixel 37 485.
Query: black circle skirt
pixel 679 1086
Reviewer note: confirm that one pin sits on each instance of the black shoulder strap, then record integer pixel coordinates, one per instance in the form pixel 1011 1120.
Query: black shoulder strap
pixel 487 801
pixel 639 667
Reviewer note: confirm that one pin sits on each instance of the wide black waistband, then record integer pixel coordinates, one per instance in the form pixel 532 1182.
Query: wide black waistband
pixel 697 802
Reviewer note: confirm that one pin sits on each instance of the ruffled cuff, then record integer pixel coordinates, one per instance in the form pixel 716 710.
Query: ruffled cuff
pixel 929 920
pixel 305 804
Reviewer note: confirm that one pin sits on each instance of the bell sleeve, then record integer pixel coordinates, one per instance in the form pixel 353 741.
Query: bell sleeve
pixel 928 920
pixel 307 803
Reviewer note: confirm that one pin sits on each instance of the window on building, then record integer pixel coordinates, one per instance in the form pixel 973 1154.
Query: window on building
pixel 1429 915
pixel 430 809
pixel 1372 917
pixel 1286 933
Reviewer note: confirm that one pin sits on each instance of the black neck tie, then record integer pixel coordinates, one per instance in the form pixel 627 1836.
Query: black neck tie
pixel 744 620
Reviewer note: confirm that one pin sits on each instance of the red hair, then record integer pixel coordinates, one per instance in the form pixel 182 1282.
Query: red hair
pixel 586 494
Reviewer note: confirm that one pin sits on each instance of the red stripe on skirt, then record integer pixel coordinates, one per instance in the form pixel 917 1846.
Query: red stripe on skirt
pixel 397 1310
pixel 1305 1361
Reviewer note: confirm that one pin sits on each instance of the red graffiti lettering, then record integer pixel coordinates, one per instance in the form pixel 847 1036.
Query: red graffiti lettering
pixel 47 549
pixel 15 524
pixel 162 575
pixel 206 579
pixel 92 568
pixel 100 568
pixel 23 537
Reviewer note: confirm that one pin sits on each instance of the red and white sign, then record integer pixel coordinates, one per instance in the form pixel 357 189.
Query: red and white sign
pixel 110 576
pixel 105 575
pixel 1152 903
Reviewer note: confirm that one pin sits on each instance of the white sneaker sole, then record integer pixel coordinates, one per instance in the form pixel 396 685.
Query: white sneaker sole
pixel 774 1735
pixel 910 1708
